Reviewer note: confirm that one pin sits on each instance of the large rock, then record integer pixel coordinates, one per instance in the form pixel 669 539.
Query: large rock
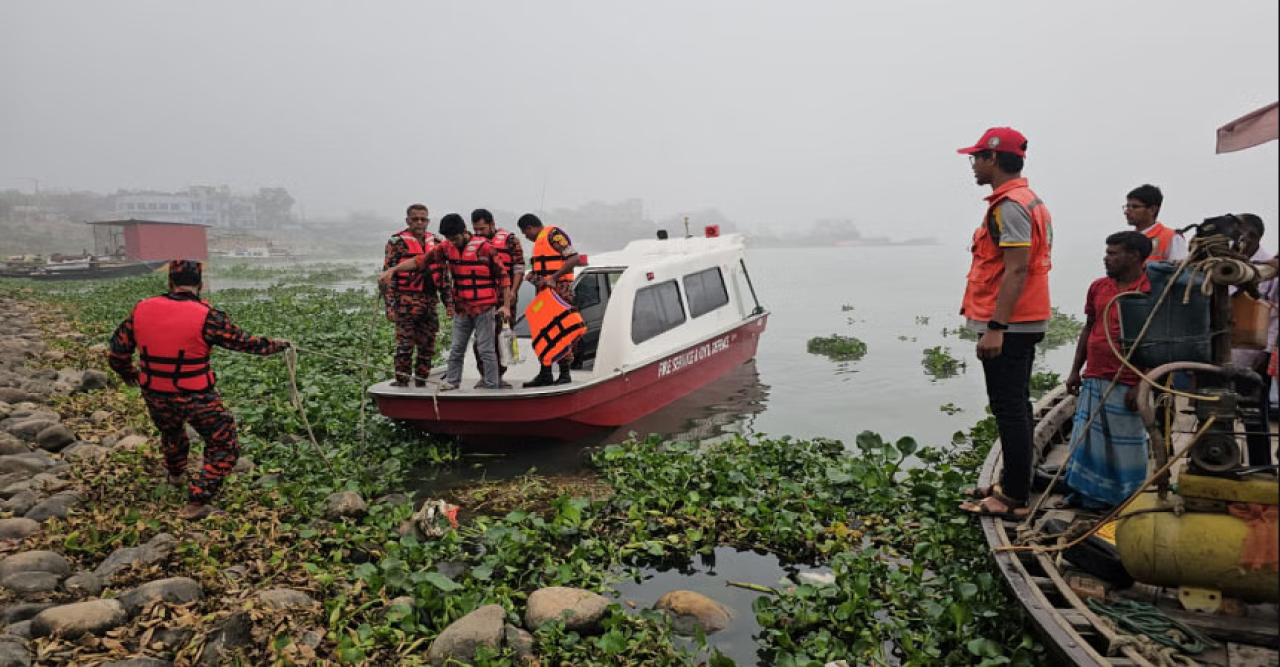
pixel 16 395
pixel 459 641
pixel 154 551
pixel 129 442
pixel 28 429
pixel 20 503
pixel 55 438
pixel 93 380
pixel 690 610
pixel 285 598
pixel 35 561
pixel 20 629
pixel 237 631
pixel 30 583
pixel 85 451
pixel 581 610
pixel 11 444
pixel 521 642
pixel 84 584
pixel 344 504
pixel 175 590
pixel 30 463
pixel 71 621
pixel 56 505
pixel 17 613
pixel 17 528
pixel 14 654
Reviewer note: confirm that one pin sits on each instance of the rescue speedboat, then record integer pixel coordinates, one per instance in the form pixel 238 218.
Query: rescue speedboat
pixel 664 318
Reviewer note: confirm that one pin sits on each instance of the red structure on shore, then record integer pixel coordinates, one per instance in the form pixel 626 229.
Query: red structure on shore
pixel 150 240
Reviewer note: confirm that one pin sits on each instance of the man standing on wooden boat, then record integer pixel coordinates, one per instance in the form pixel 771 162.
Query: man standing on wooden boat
pixel 507 245
pixel 1260 442
pixel 551 268
pixel 1109 460
pixel 1007 301
pixel 1141 210
pixel 480 290
pixel 412 298
pixel 174 333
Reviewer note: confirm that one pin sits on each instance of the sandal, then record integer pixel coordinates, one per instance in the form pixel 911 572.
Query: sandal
pixel 1010 511
pixel 981 492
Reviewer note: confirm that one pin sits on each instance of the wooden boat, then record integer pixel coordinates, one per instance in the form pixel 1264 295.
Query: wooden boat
pixel 94 270
pixel 664 318
pixel 1188 544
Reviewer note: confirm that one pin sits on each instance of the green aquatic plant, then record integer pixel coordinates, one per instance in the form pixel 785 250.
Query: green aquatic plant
pixel 837 347
pixel 939 363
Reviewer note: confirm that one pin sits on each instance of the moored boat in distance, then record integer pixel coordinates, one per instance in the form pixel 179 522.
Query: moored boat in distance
pixel 664 318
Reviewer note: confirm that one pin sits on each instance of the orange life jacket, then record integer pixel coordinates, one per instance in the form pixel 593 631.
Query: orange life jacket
pixel 500 241
pixel 547 260
pixel 555 325
pixel 987 269
pixel 473 279
pixel 173 355
pixel 1161 241
pixel 413 281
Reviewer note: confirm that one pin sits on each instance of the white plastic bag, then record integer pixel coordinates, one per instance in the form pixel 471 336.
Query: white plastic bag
pixel 508 348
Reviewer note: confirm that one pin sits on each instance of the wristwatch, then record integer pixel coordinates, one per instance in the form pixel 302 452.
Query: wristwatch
pixel 993 325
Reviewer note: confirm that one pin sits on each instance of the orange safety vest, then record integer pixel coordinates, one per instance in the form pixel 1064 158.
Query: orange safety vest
pixel 1161 241
pixel 501 239
pixel 555 325
pixel 414 281
pixel 547 260
pixel 170 335
pixel 473 279
pixel 987 269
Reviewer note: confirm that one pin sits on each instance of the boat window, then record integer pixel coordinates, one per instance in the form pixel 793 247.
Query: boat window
pixel 705 291
pixel 657 310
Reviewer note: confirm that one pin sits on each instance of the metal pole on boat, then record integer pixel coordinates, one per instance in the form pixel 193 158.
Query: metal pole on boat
pixel 747 274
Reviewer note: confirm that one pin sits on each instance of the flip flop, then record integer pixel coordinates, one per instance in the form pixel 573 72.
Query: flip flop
pixel 981 492
pixel 1010 512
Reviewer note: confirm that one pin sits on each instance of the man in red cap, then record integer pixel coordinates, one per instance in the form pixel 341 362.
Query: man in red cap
pixel 1006 300
pixel 174 333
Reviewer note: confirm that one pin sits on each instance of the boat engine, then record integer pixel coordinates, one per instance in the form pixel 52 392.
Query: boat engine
pixel 1213 532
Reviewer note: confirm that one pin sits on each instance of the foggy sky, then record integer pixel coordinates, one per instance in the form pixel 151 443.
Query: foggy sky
pixel 776 113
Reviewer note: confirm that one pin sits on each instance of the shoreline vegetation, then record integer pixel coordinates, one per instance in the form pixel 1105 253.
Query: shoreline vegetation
pixel 311 566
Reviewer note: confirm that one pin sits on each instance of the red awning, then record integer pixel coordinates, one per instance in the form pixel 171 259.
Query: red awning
pixel 1250 130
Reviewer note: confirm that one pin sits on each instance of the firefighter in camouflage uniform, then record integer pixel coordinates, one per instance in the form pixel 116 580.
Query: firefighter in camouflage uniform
pixel 412 299
pixel 173 334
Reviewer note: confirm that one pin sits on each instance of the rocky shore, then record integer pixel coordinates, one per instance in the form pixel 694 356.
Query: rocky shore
pixel 90 572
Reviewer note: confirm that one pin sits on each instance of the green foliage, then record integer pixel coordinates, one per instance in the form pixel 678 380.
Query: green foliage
pixel 1042 381
pixel 939 363
pixel 837 347
pixel 1064 329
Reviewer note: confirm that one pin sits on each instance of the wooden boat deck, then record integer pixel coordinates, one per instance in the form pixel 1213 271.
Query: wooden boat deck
pixel 1072 631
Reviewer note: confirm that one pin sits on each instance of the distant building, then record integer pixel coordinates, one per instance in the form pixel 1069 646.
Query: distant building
pixel 214 206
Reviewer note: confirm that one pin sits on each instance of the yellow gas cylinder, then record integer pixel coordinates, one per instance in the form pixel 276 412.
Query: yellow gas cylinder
pixel 1200 549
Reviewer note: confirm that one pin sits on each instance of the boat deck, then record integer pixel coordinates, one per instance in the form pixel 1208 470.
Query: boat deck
pixel 1050 587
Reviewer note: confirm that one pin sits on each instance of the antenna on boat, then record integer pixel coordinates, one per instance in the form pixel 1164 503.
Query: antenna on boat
pixel 686 227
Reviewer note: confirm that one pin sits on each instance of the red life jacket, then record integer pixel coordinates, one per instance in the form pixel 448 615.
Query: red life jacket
pixel 173 355
pixel 1161 241
pixel 500 241
pixel 473 279
pixel 987 269
pixel 413 281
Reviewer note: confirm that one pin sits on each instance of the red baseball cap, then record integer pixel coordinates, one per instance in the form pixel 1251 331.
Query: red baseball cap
pixel 1002 139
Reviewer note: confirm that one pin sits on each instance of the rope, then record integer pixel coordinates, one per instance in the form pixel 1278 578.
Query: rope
pixel 1033 534
pixel 291 361
pixel 1198 247
pixel 1140 618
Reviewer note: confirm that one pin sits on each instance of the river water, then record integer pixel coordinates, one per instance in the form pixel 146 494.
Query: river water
pixel 896 299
